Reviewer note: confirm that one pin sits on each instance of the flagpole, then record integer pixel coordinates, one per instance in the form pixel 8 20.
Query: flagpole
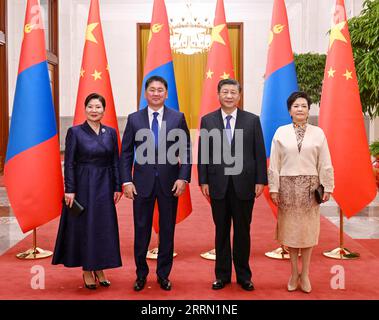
pixel 35 252
pixel 341 252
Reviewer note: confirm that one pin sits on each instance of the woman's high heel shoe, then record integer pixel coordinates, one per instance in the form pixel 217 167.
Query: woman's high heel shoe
pixel 105 283
pixel 290 287
pixel 91 286
pixel 306 289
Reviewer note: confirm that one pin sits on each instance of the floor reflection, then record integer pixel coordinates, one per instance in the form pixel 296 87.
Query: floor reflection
pixel 364 225
pixel 10 232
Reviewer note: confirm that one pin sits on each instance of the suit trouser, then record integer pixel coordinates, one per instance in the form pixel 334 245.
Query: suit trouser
pixel 224 211
pixel 143 210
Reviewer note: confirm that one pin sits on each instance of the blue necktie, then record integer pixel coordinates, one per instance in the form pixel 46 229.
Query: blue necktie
pixel 155 128
pixel 228 129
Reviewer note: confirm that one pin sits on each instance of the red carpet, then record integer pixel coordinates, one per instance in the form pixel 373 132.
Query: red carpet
pixel 191 275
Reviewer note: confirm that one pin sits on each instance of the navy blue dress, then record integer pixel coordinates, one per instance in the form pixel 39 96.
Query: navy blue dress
pixel 90 240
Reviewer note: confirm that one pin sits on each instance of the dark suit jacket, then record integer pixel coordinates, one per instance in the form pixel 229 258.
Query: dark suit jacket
pixel 144 174
pixel 254 167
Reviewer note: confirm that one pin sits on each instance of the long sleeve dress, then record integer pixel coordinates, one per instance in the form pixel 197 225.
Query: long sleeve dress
pixel 90 240
pixel 299 162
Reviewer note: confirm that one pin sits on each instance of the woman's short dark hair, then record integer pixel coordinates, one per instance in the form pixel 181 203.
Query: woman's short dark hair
pixel 224 82
pixel 94 96
pixel 156 78
pixel 298 94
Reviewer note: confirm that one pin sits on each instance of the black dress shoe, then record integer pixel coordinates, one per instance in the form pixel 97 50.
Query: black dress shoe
pixel 91 286
pixel 104 283
pixel 247 285
pixel 139 284
pixel 219 284
pixel 164 283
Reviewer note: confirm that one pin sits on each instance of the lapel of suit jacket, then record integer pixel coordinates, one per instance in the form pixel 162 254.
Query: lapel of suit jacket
pixel 220 125
pixel 219 120
pixel 145 119
pixel 238 125
pixel 165 120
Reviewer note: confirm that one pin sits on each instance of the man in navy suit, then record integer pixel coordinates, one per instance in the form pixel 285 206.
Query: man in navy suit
pixel 156 144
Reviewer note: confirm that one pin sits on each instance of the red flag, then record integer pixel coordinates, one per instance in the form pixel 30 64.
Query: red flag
pixel 94 73
pixel 219 62
pixel 219 66
pixel 341 119
pixel 159 62
pixel 32 173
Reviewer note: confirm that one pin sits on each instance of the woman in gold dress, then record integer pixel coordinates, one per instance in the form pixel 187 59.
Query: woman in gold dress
pixel 299 162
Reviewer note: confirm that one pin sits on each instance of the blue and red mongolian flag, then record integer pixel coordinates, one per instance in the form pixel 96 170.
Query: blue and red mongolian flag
pixel 280 78
pixel 159 63
pixel 32 173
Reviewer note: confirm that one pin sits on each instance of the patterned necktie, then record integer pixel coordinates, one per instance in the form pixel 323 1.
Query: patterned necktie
pixel 155 128
pixel 228 128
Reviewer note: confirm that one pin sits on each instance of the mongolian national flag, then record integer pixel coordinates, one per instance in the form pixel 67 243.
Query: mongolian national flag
pixel 280 80
pixel 159 63
pixel 94 73
pixel 219 62
pixel 33 174
pixel 341 119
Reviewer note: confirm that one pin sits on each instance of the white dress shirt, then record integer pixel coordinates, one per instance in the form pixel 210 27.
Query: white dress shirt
pixel 151 117
pixel 159 117
pixel 232 120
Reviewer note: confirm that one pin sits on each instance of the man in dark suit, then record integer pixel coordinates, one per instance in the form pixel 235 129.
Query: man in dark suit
pixel 150 136
pixel 232 173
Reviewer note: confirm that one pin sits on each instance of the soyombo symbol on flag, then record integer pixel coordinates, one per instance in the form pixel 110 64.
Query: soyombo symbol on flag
pixel 280 79
pixel 159 63
pixel 33 175
pixel 341 119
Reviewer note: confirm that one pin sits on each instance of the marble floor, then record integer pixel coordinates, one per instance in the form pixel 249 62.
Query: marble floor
pixel 10 232
pixel 364 225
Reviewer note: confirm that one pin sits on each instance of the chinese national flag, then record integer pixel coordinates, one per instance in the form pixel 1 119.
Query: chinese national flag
pixel 219 66
pixel 219 62
pixel 341 119
pixel 94 73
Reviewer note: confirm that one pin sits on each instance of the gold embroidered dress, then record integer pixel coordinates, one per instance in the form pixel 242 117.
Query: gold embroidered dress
pixel 296 167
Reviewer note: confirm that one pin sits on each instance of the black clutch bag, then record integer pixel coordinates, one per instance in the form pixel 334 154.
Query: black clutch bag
pixel 319 193
pixel 76 208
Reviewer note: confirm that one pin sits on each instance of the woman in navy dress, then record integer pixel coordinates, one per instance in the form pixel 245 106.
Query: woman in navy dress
pixel 90 240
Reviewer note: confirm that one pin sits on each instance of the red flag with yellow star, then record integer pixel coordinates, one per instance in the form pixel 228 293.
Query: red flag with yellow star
pixel 341 119
pixel 94 73
pixel 219 62
pixel 219 66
